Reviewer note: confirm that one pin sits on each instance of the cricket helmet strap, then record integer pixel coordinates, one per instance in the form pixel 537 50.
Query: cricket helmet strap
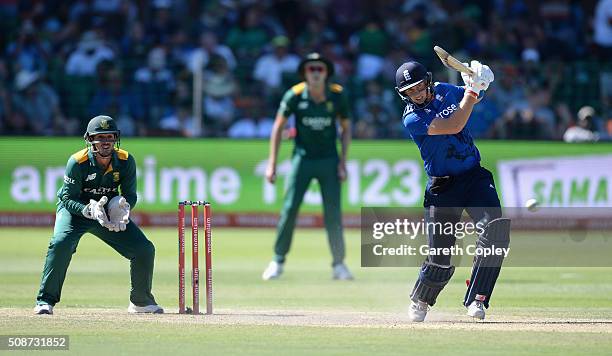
pixel 101 124
pixel 410 74
pixel 316 57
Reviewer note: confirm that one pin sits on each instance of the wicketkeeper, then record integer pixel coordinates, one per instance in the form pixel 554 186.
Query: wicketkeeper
pixel 94 176
pixel 435 116
pixel 318 106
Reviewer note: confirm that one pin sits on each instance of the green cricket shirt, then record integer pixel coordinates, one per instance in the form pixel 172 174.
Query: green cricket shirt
pixel 84 179
pixel 315 123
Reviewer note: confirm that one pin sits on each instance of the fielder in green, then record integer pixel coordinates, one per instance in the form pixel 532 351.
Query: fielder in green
pixel 96 175
pixel 318 106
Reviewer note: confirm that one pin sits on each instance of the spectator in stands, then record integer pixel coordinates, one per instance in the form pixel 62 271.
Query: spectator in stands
pixel 585 130
pixel 255 125
pixel 371 43
pixel 270 67
pixel 380 121
pixel 115 99
pixel 483 118
pixel 315 34
pixel 180 122
pixel 162 24
pixel 219 89
pixel 68 43
pixel 396 57
pixel 6 127
pixel 343 67
pixel 134 49
pixel 29 52
pixel 415 35
pixel 209 46
pixel 562 23
pixel 531 118
pixel 180 49
pixel 154 84
pixel 605 79
pixel 37 106
pixel 249 37
pixel 432 9
pixel 603 29
pixel 377 98
pixel 89 53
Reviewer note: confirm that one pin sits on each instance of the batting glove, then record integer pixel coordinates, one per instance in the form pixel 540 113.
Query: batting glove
pixel 480 81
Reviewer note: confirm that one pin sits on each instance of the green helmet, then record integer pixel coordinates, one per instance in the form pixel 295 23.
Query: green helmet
pixel 102 124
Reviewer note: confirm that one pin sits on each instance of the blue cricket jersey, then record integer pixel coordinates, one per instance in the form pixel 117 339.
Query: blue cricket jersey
pixel 442 155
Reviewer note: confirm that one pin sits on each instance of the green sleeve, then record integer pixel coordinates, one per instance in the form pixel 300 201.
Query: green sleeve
pixel 70 193
pixel 344 111
pixel 128 182
pixel 287 104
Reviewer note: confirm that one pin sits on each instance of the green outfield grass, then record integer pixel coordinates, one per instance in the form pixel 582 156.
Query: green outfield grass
pixel 568 310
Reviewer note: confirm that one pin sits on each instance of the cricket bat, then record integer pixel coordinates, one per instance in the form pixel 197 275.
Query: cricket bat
pixel 452 62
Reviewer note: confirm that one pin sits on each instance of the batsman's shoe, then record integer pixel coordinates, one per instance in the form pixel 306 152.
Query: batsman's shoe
pixel 476 310
pixel 342 273
pixel 273 271
pixel 40 309
pixel 418 311
pixel 149 309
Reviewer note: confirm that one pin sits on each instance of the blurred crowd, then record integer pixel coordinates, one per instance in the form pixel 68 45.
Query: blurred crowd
pixel 63 62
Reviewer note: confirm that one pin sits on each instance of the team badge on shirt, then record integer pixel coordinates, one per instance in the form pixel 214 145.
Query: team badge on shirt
pixel 115 177
pixel 330 106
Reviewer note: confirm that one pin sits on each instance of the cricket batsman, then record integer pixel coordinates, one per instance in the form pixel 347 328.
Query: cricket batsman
pixel 435 116
pixel 94 176
pixel 318 107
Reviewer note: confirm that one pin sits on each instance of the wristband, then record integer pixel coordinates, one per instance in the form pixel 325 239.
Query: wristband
pixel 472 94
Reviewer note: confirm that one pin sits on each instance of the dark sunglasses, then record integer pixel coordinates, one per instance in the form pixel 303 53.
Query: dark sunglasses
pixel 316 69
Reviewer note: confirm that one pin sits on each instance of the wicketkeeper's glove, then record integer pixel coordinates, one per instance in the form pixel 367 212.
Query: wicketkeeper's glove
pixel 95 211
pixel 119 212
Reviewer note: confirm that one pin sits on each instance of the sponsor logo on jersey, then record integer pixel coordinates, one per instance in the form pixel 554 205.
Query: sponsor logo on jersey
pixel 439 97
pixel 68 180
pixel 90 177
pixel 99 191
pixel 302 105
pixel 317 122
pixel 444 113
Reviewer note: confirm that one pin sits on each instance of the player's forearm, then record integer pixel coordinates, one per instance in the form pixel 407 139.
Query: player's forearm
pixel 71 189
pixel 275 139
pixel 128 184
pixel 345 140
pixel 74 207
pixel 457 121
pixel 462 115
